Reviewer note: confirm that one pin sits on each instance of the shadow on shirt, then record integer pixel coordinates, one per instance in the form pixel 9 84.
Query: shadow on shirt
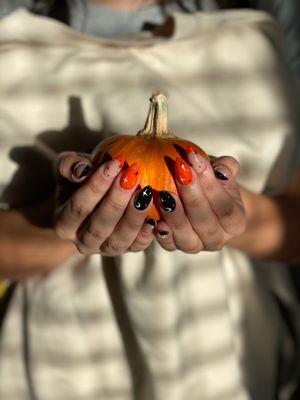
pixel 34 182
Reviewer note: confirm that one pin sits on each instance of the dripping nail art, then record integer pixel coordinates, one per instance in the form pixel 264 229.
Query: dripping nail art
pixel 167 201
pixel 183 172
pixel 113 167
pixel 81 170
pixel 143 198
pixel 221 173
pixel 130 177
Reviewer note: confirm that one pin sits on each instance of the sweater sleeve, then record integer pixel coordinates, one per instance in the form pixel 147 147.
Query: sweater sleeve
pixel 8 6
pixel 287 13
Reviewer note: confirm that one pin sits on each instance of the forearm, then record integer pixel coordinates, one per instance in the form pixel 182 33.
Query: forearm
pixel 273 227
pixel 26 249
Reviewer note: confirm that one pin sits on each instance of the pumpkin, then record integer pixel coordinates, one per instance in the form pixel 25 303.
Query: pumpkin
pixel 154 149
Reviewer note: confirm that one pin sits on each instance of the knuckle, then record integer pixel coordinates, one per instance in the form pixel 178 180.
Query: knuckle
pixel 136 249
pixel 116 247
pixel 193 246
pixel 140 244
pixel 216 245
pixel 77 209
pixel 168 247
pixel 226 211
pixel 82 249
pixel 238 222
pixel 115 205
pixel 211 231
pixel 96 233
pixel 195 202
pixel 133 224
pixel 94 187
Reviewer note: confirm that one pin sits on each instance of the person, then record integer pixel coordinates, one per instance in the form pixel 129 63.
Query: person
pixel 148 324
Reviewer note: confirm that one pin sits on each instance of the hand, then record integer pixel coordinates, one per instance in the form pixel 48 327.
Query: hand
pixel 106 214
pixel 209 211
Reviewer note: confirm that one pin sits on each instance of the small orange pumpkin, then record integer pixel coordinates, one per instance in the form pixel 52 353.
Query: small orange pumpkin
pixel 154 149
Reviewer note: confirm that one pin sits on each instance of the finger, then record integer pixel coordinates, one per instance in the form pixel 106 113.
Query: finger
pixel 173 213
pixel 164 236
pixel 85 199
pixel 104 219
pixel 200 214
pixel 74 166
pixel 144 237
pixel 226 169
pixel 229 212
pixel 130 224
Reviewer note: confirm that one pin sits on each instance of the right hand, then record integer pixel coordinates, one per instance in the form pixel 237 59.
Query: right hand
pixel 103 215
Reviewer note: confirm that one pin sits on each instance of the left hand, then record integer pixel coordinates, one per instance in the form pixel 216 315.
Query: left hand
pixel 209 211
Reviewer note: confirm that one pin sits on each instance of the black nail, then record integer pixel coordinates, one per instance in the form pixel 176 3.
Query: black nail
pixel 220 176
pixel 167 200
pixel 163 234
pixel 86 171
pixel 151 222
pixel 143 198
pixel 81 169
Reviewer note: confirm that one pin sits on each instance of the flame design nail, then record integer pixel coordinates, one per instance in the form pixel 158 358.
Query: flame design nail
pixel 183 172
pixel 130 177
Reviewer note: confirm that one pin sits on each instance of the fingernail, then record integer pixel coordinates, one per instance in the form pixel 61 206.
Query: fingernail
pixel 167 201
pixel 130 177
pixel 162 234
pixel 143 198
pixel 81 169
pixel 221 173
pixel 198 162
pixel 149 225
pixel 113 167
pixel 183 172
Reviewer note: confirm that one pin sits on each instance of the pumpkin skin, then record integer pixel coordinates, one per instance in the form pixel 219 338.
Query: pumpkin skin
pixel 154 149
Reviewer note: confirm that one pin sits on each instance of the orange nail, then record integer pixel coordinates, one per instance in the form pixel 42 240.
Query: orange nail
pixel 183 172
pixel 130 177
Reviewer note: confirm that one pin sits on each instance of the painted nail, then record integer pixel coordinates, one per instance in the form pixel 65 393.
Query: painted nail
pixel 221 173
pixel 121 160
pixel 81 169
pixel 143 198
pixel 149 225
pixel 198 162
pixel 130 177
pixel 167 201
pixel 162 234
pixel 113 167
pixel 183 172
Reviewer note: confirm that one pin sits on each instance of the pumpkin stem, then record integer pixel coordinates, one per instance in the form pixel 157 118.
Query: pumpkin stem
pixel 157 121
